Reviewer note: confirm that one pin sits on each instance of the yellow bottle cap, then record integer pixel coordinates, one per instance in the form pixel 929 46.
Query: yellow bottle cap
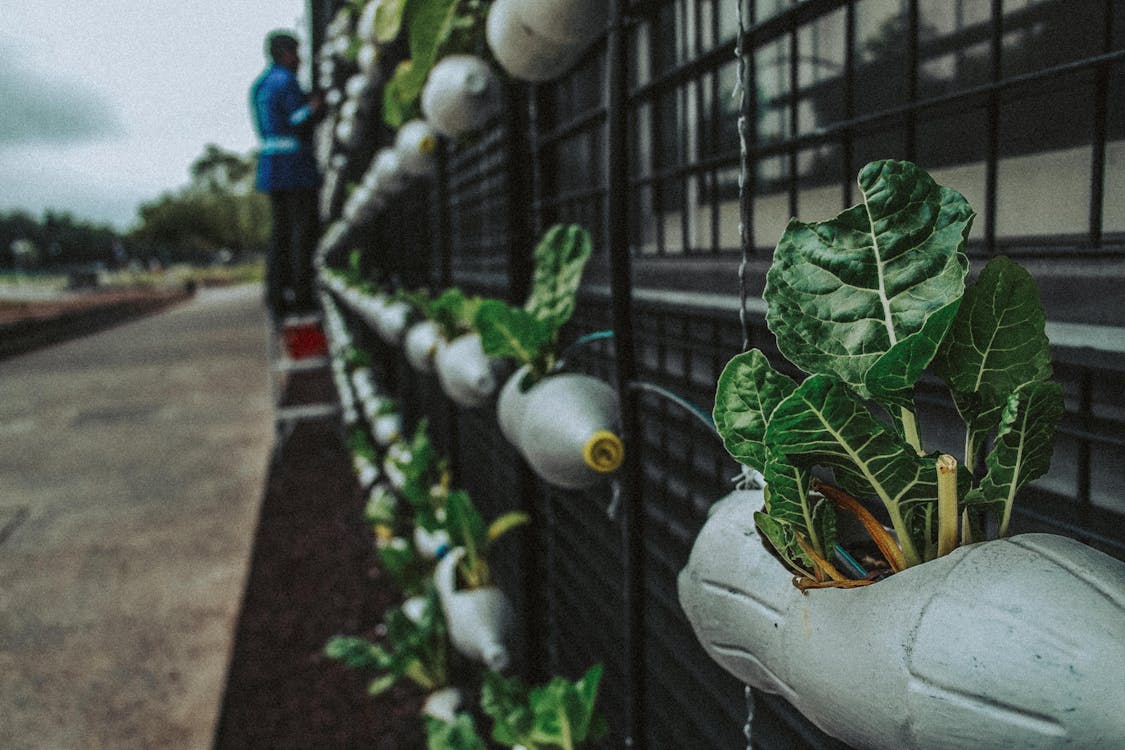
pixel 603 452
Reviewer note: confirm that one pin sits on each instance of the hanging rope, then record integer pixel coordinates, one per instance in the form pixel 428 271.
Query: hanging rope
pixel 743 168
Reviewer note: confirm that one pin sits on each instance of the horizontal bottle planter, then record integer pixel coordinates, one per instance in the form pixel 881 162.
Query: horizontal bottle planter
pixel 1018 642
pixel 430 544
pixel 461 95
pixel 416 144
pixel 420 345
pixel 465 372
pixel 481 621
pixel 539 40
pixel 443 704
pixel 565 426
pixel 386 429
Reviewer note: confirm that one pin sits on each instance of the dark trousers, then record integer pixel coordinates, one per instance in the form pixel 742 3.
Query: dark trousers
pixel 289 274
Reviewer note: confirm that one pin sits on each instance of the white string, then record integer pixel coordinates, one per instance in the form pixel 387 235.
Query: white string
pixel 748 479
pixel 743 239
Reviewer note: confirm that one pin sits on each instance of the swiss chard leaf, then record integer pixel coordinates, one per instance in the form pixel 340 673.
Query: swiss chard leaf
pixel 381 507
pixel 748 391
pixel 892 377
pixel 1022 452
pixel 403 564
pixel 558 714
pixel 388 20
pixel 456 735
pixel 454 312
pixel 507 331
pixel 430 24
pixel 400 94
pixel 844 292
pixel 787 498
pixel 996 344
pixel 505 700
pixel 415 650
pixel 560 258
pixel 823 424
pixel 464 523
pixel 783 538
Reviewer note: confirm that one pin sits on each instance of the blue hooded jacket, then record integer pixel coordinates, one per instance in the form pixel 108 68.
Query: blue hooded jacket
pixel 281 113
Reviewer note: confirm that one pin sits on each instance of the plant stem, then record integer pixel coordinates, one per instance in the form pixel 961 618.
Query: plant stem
pixel 564 726
pixel 821 563
pixel 970 450
pixel 883 540
pixel 947 504
pixel 910 430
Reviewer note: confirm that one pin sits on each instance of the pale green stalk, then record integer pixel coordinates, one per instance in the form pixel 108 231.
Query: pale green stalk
pixel 947 504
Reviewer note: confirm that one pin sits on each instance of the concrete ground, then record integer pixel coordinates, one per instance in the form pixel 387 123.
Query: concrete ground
pixel 131 471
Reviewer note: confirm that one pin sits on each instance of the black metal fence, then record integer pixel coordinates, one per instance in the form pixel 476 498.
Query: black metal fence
pixel 1020 105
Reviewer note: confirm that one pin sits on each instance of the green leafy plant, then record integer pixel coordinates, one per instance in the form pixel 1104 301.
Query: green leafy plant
pixel 417 651
pixel 467 529
pixel 382 506
pixel 435 28
pixel 398 559
pixel 529 334
pixel 453 311
pixel 460 734
pixel 865 303
pixel 360 445
pixel 560 715
pixel 422 476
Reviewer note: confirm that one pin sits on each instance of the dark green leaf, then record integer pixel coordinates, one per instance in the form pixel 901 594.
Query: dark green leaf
pixel 748 391
pixel 464 522
pixel 507 331
pixel 997 343
pixel 1024 443
pixel 844 292
pixel 388 20
pixel 824 524
pixel 458 735
pixel 430 24
pixel 787 497
pixel 783 538
pixel 892 377
pixel 823 424
pixel 505 699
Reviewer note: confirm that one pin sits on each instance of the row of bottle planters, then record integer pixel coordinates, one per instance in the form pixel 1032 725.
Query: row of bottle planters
pixel 444 607
pixel 954 660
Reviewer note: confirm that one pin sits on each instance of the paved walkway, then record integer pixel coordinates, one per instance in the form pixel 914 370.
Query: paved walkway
pixel 131 471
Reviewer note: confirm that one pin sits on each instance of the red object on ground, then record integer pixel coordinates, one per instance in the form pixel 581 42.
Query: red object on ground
pixel 305 339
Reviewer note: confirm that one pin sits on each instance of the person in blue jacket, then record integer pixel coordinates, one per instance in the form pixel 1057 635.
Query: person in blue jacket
pixel 284 116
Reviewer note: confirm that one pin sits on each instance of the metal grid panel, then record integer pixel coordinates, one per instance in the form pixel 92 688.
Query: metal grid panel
pixel 478 209
pixel 958 102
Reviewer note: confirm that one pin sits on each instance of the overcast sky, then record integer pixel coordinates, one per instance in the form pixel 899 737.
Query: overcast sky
pixel 105 103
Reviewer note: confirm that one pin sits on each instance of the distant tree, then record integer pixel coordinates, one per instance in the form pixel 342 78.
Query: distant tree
pixel 58 239
pixel 219 210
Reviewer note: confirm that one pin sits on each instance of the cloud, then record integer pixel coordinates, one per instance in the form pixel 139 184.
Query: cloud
pixel 38 108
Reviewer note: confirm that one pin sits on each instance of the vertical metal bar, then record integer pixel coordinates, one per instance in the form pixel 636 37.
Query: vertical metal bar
pixel 751 113
pixel 794 83
pixel 682 97
pixel 847 145
pixel 617 207
pixel 1097 156
pixel 992 157
pixel 441 233
pixel 520 258
pixel 1085 401
pixel 911 145
pixel 656 151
